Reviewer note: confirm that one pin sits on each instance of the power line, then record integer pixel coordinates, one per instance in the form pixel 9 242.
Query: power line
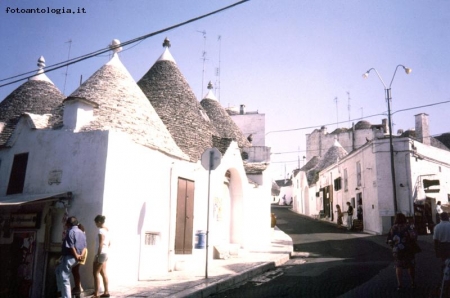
pixel 315 126
pixel 289 161
pixel 424 106
pixel 104 50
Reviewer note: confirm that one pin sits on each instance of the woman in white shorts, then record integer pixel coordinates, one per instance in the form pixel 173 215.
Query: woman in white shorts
pixel 101 258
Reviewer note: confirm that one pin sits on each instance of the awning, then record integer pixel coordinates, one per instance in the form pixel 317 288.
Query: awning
pixel 19 199
pixel 428 182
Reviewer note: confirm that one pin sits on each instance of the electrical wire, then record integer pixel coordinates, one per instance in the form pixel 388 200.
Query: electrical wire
pixel 382 114
pixel 104 50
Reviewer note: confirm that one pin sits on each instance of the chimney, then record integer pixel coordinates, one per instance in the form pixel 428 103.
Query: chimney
pixel 422 128
pixel 242 110
pixel 78 112
pixel 384 124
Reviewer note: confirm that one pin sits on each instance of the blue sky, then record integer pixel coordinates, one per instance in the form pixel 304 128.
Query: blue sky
pixel 288 59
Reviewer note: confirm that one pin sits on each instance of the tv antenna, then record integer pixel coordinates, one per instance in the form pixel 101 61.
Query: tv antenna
pixel 67 67
pixel 337 118
pixel 204 59
pixel 217 85
pixel 348 106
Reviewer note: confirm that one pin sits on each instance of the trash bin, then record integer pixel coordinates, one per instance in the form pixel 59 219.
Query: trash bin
pixel 200 239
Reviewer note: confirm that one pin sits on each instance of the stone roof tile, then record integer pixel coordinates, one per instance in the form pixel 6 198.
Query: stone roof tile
pixel 35 96
pixel 224 125
pixel 171 96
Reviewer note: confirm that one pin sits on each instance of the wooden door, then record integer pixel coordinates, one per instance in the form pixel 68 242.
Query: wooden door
pixel 326 201
pixel 185 217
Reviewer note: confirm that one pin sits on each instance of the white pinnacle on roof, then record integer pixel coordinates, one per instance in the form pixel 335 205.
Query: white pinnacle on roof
pixel 336 143
pixel 166 55
pixel 40 75
pixel 116 48
pixel 210 94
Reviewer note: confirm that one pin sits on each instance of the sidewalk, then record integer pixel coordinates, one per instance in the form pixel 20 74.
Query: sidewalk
pixel 221 273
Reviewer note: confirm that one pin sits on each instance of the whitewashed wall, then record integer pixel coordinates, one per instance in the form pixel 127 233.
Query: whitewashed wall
pixel 254 124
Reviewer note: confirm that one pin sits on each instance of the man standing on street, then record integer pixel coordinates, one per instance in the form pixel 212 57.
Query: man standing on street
pixel 71 251
pixel 441 237
pixel 349 216
pixel 438 212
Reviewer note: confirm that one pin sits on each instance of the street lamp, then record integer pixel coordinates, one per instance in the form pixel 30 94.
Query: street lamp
pixel 387 91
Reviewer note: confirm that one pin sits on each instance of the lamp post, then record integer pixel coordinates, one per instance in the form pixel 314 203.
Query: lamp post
pixel 387 91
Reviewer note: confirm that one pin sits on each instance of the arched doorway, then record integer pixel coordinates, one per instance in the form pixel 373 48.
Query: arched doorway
pixel 228 212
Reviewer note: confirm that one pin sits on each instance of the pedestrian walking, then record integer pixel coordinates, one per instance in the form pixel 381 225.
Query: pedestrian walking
pixel 349 216
pixel 403 240
pixel 438 212
pixel 340 215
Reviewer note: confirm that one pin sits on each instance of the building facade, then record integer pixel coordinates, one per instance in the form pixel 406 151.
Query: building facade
pixel 363 178
pixel 110 148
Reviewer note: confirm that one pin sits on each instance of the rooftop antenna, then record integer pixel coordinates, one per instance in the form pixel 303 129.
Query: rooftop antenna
pixel 217 88
pixel 203 58
pixel 67 67
pixel 337 118
pixel 348 106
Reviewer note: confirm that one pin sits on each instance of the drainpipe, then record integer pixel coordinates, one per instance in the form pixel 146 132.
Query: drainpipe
pixel 170 250
pixel 408 170
pixel 331 197
pixel 353 136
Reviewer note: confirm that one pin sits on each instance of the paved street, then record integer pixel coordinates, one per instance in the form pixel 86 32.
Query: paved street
pixel 333 262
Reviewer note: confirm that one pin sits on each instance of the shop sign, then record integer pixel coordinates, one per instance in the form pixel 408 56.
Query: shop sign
pixel 25 220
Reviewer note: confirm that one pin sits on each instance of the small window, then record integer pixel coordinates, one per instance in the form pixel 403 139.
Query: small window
pixel 337 183
pixel 151 238
pixel 345 180
pixel 358 173
pixel 18 171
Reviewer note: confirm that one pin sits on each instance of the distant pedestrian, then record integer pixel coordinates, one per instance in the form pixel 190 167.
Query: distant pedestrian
pixel 438 212
pixel 339 215
pixel 349 216
pixel 403 240
pixel 429 216
pixel 359 212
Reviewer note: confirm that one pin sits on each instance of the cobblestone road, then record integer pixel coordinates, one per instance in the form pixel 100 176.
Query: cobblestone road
pixel 332 262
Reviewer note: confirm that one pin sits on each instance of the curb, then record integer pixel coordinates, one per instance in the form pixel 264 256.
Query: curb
pixel 223 284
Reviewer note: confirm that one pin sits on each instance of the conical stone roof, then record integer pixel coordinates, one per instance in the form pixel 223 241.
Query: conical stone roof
pixel 332 156
pixel 171 96
pixel 224 125
pixel 124 107
pixel 37 96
